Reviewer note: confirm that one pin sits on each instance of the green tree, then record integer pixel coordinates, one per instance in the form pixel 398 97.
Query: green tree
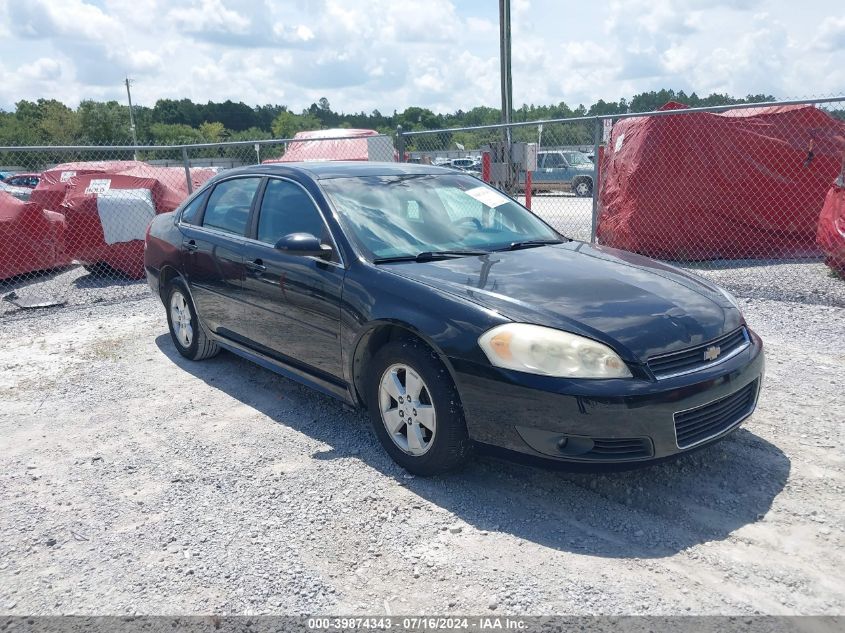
pixel 175 134
pixel 59 125
pixel 213 132
pixel 287 124
pixel 104 123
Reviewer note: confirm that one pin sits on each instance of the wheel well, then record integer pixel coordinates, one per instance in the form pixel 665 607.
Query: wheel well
pixel 168 273
pixel 373 340
pixel 578 179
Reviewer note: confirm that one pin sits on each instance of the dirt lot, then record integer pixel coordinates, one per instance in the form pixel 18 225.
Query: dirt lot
pixel 133 481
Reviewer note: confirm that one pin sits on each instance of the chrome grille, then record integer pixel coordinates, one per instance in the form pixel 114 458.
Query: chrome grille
pixel 696 358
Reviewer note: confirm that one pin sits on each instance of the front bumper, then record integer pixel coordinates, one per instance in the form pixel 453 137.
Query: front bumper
pixel 619 420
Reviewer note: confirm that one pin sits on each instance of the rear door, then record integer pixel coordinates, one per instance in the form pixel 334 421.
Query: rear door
pixel 213 254
pixel 293 302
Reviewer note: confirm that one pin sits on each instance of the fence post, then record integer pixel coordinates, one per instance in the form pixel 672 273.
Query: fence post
pixel 597 131
pixel 485 166
pixel 400 143
pixel 187 170
pixel 528 186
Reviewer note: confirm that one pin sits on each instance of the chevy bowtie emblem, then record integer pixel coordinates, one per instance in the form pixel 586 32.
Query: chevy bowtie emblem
pixel 712 352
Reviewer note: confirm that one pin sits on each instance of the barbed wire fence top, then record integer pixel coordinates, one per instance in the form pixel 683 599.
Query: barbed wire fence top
pixel 745 195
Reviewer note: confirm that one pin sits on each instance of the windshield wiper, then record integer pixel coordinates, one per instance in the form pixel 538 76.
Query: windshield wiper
pixel 515 246
pixel 429 256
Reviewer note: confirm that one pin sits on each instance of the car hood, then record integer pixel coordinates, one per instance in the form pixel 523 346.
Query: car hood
pixel 639 306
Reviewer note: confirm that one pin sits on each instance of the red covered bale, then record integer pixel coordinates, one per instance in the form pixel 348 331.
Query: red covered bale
pixel 747 183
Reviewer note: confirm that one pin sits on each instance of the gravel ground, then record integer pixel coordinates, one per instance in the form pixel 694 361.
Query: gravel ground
pixel 133 481
pixel 70 287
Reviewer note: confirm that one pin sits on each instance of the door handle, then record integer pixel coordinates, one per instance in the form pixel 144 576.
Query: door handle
pixel 190 245
pixel 256 265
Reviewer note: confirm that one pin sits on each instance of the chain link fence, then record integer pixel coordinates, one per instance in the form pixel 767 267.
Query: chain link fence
pixel 73 219
pixel 733 193
pixel 745 195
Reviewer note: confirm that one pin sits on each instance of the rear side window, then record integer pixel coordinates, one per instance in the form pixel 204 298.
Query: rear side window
pixel 285 209
pixel 229 204
pixel 190 214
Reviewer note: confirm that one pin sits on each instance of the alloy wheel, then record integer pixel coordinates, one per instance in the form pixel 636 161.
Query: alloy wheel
pixel 180 317
pixel 407 410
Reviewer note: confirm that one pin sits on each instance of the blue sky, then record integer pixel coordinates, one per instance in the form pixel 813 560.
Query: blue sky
pixel 389 54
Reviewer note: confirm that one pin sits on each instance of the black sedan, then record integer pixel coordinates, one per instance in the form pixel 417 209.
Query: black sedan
pixel 453 314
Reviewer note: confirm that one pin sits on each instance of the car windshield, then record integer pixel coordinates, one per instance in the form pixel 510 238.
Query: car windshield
pixel 577 158
pixel 397 216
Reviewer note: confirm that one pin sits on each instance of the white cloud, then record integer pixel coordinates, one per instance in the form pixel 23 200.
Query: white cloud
pixel 209 16
pixel 43 69
pixel 832 34
pixel 144 61
pixel 442 54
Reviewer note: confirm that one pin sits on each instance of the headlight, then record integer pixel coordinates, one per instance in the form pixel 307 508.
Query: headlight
pixel 730 298
pixel 541 350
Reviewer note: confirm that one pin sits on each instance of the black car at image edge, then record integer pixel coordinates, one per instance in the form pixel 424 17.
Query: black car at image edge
pixel 454 315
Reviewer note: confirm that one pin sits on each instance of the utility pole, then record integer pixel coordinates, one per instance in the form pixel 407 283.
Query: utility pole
pixel 507 85
pixel 131 117
pixel 505 59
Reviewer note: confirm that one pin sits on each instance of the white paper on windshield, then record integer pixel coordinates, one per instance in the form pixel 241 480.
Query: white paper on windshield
pixel 66 175
pixel 487 196
pixel 125 214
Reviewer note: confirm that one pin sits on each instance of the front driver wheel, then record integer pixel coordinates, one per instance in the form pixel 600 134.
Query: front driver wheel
pixel 187 334
pixel 415 409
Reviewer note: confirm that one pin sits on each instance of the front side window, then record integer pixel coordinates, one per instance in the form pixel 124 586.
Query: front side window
pixel 285 209
pixel 395 216
pixel 553 160
pixel 229 204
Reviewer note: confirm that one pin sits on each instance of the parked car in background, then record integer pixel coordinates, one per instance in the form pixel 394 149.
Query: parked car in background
pixel 23 180
pixel 21 193
pixel 468 164
pixel 562 170
pixel 462 163
pixel 453 314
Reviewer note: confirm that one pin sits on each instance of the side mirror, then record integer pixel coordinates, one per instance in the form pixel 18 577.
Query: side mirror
pixel 304 245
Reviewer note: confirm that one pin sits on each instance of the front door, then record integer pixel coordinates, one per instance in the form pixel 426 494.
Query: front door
pixel 213 255
pixel 293 302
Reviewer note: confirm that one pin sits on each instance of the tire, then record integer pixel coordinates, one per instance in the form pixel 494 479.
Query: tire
pixel 583 188
pixel 444 449
pixel 194 343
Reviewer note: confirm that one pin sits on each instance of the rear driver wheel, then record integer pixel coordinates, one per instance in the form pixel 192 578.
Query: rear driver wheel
pixel 185 330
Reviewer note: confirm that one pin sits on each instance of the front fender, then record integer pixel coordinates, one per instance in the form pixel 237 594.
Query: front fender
pixel 374 299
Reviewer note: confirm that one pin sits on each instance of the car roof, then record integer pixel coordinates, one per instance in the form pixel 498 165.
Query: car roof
pixel 323 170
